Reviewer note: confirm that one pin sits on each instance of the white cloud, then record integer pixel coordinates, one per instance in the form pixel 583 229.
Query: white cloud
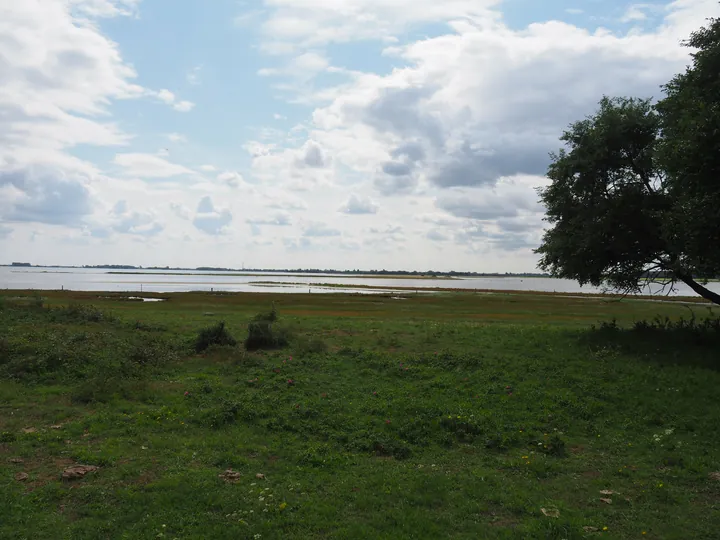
pixel 105 8
pixel 180 210
pixel 311 23
pixel 210 219
pixel 177 138
pixel 127 221
pixel 148 166
pixel 231 178
pixel 167 97
pixel 193 76
pixel 449 138
pixel 280 219
pixel 320 230
pixel 359 205
pixel 636 12
pixel 184 106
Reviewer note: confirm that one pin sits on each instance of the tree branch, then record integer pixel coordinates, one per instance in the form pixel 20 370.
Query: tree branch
pixel 699 289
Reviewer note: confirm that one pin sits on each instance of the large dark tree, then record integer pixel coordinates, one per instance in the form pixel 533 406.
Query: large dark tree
pixel 636 192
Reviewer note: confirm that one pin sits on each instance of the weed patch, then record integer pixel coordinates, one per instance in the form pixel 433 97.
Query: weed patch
pixel 214 335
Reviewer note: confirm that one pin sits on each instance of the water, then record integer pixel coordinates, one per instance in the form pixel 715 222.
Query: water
pixel 160 281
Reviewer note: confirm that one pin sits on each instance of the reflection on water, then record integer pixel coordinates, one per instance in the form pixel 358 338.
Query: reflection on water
pixel 160 281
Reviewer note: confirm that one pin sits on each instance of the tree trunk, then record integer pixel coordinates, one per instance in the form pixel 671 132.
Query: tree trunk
pixel 695 286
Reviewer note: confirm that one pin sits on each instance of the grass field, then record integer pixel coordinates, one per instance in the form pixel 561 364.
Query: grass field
pixel 433 416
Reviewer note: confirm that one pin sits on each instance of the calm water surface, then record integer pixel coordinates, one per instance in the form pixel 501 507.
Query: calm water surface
pixel 87 279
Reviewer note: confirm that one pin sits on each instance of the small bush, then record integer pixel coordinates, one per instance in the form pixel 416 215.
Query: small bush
pixel 271 316
pixel 214 335
pixel 265 335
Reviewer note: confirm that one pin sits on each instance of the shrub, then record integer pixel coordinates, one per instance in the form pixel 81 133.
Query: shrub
pixel 214 335
pixel 271 316
pixel 265 335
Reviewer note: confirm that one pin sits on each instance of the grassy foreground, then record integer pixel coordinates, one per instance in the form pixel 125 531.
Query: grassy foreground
pixel 443 416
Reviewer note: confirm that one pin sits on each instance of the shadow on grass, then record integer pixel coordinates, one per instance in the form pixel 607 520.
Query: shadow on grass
pixel 689 342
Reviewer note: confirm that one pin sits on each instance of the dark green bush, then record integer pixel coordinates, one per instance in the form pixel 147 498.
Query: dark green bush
pixel 266 335
pixel 214 335
pixel 263 333
pixel 271 316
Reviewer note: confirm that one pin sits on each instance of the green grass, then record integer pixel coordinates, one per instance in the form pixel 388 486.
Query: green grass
pixel 439 416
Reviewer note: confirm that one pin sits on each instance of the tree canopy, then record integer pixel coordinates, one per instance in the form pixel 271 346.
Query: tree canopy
pixel 636 192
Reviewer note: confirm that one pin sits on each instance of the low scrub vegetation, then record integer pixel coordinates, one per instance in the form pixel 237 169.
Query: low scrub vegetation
pixel 360 426
pixel 216 335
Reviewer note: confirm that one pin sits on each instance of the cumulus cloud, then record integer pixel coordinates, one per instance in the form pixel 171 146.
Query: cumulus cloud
pixel 148 166
pixel 180 210
pixel 280 219
pixel 296 24
pixel 509 198
pixel 302 67
pixel 282 202
pixel 177 138
pixel 44 195
pixel 319 230
pixel 127 221
pixel 311 155
pixel 359 205
pixel 210 219
pixel 167 97
pixel 299 244
pixel 300 168
pixel 231 178
pixel 485 101
pixel 57 76
pixel 436 236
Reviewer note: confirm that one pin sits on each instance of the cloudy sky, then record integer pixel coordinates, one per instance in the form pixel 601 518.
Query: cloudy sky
pixel 403 134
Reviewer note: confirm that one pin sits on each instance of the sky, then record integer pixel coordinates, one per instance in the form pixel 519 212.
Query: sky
pixel 370 134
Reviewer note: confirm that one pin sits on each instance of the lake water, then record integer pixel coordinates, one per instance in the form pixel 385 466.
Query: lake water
pixel 160 281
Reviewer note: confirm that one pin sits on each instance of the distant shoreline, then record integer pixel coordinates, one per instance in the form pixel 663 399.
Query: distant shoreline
pixel 122 269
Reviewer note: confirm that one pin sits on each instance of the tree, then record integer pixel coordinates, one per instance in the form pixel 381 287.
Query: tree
pixel 636 193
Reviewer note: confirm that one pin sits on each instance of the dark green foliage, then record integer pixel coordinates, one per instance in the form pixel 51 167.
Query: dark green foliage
pixel 635 193
pixel 45 353
pixel 264 333
pixel 214 335
pixel 270 317
pixel 689 152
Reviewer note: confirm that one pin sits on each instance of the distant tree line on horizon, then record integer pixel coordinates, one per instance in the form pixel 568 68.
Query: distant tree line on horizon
pixel 383 272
